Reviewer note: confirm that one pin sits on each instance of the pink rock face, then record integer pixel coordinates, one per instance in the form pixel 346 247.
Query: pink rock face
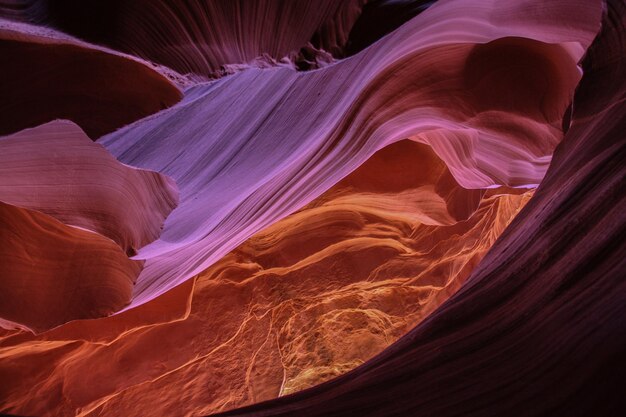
pixel 308 298
pixel 374 208
pixel 104 212
pixel 540 321
pixel 249 149
pixel 56 169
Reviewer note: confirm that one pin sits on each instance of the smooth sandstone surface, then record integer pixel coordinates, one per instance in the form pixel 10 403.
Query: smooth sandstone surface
pixel 538 327
pixel 56 169
pixel 49 75
pixel 249 149
pixel 352 216
pixel 53 273
pixel 305 300
pixel 67 202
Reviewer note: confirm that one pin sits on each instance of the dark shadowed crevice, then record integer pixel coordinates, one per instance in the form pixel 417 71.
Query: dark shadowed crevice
pixel 380 17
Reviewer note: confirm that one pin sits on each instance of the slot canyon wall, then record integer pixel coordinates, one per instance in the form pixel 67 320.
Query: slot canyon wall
pixel 301 208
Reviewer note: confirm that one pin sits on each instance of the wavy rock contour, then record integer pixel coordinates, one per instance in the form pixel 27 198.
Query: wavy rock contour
pixel 540 321
pixel 287 137
pixel 51 76
pixel 307 299
pixel 72 195
pixel 323 214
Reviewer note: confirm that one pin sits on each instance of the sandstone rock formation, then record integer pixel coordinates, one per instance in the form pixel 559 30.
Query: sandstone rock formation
pixel 249 149
pixel 373 208
pixel 53 76
pixel 71 216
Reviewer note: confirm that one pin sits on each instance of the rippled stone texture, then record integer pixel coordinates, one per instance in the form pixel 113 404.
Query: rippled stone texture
pixel 249 149
pixel 204 37
pixel 354 224
pixel 72 214
pixel 56 169
pixel 540 321
pixel 307 299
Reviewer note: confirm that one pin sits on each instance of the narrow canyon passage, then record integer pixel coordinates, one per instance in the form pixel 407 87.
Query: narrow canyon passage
pixel 371 208
pixel 311 297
